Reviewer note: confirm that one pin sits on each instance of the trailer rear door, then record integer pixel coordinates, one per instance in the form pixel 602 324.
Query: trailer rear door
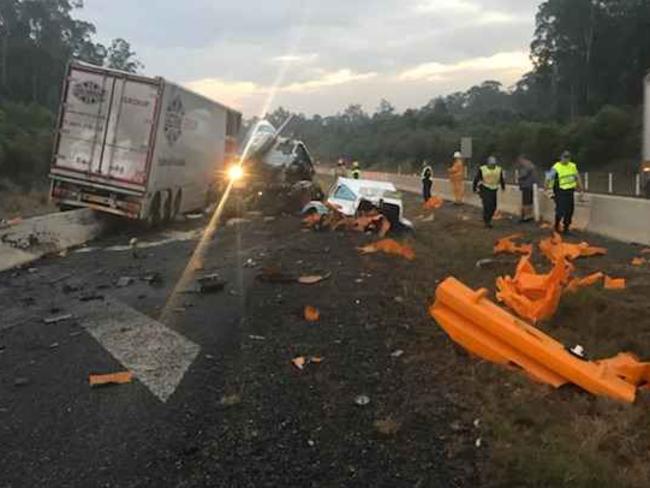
pixel 107 123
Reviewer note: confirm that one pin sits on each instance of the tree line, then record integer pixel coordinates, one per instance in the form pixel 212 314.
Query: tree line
pixel 37 39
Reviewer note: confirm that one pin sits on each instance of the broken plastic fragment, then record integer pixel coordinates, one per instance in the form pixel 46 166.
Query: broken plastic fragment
pixel 554 248
pixel 389 246
pixel 299 362
pixel 311 314
pixel 577 283
pixel 639 261
pixel 433 203
pixel 507 245
pixel 614 283
pixel 312 280
pixel 110 379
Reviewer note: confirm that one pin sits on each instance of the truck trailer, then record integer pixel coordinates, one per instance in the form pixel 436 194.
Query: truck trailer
pixel 139 147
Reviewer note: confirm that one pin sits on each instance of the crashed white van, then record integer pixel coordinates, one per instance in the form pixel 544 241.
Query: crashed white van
pixel 350 196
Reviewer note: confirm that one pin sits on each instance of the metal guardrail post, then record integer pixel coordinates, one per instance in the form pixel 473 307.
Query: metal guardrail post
pixel 536 211
pixel 586 181
pixel 610 183
pixel 637 186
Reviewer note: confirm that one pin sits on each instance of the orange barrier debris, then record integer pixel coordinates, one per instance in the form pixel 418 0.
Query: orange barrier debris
pixel 615 283
pixel 490 332
pixel 639 261
pixel 389 246
pixel 554 248
pixel 530 295
pixel 645 251
pixel 507 245
pixel 433 203
pixel 576 283
pixel 311 314
pixel 110 379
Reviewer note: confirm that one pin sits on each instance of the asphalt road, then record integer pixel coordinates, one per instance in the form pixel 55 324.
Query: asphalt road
pixel 216 400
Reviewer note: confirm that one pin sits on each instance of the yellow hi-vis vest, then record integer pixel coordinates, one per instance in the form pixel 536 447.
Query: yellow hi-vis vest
pixel 356 173
pixel 491 177
pixel 567 174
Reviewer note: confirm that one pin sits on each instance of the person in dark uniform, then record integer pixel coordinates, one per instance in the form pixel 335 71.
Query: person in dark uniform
pixel 527 181
pixel 487 181
pixel 427 182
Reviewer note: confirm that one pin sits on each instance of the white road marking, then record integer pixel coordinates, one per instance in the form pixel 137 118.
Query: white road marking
pixel 157 355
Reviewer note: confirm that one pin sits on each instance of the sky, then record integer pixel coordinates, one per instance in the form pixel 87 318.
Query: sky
pixel 317 56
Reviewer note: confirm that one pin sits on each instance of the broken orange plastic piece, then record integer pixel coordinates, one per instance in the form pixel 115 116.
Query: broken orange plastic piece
pixel 110 379
pixel 507 245
pixel 577 283
pixel 312 314
pixel 615 283
pixel 645 251
pixel 389 246
pixel 554 248
pixel 490 332
pixel 639 261
pixel 433 203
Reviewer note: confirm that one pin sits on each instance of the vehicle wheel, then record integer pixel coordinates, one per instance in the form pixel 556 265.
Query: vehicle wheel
pixel 167 207
pixel 153 219
pixel 176 209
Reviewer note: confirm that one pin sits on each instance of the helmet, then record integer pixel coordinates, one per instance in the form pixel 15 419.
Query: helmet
pixel 458 155
pixel 355 164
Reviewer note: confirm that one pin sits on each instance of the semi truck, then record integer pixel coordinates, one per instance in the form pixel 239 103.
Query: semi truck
pixel 138 147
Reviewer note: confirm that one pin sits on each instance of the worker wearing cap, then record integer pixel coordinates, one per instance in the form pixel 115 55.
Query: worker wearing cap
pixel 564 179
pixel 527 181
pixel 356 170
pixel 427 181
pixel 457 178
pixel 487 182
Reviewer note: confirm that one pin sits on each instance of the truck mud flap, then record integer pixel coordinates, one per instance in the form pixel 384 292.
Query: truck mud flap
pixel 492 333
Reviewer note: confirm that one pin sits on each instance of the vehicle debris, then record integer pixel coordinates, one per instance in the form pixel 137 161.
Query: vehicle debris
pixel 237 221
pixel 362 400
pixel 490 332
pixel 638 261
pixel 230 400
pixel 124 281
pixel 387 426
pixel 256 338
pixel 507 245
pixel 554 248
pixel 397 354
pixel 313 279
pixel 433 203
pixel 20 382
pixel 614 283
pixel 57 319
pixel 211 283
pixel 301 362
pixel 577 283
pixel 312 314
pixel 389 246
pixel 110 379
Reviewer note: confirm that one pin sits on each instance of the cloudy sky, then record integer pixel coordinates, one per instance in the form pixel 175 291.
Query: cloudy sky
pixel 317 56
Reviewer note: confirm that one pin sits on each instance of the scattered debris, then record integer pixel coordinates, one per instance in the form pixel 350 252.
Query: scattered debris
pixel 20 382
pixel 250 263
pixel 387 426
pixel 507 245
pixel 638 261
pixel 478 443
pixel 476 423
pixel 399 299
pixel 110 379
pixel 312 314
pixel 389 246
pixel 614 283
pixel 312 280
pixel 311 443
pixel 211 283
pixel 397 354
pixel 57 319
pixel 554 248
pixel 124 281
pixel 237 221
pixel 269 219
pixel 362 400
pixel 433 203
pixel 256 338
pixel 230 400
pixel 194 216
pixel 54 345
pixel 577 283
pixel 301 362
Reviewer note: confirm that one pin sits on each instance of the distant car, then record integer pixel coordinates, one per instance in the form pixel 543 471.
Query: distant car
pixel 350 197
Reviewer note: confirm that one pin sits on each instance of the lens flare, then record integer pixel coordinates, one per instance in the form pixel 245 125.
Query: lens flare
pixel 235 172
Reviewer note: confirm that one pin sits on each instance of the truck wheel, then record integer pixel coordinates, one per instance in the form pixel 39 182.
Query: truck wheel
pixel 153 219
pixel 167 207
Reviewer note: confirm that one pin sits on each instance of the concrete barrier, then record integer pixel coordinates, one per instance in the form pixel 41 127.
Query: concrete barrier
pixel 622 218
pixel 34 238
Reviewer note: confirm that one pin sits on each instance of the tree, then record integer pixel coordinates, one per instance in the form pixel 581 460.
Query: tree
pixel 121 57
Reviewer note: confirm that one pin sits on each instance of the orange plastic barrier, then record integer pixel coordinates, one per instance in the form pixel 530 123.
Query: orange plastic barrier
pixel 576 283
pixel 533 296
pixel 555 249
pixel 507 245
pixel 433 203
pixel 389 246
pixel 490 332
pixel 615 283
pixel 639 261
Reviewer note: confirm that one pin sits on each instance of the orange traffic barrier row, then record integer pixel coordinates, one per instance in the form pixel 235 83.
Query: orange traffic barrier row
pixel 507 245
pixel 490 332
pixel 433 203
pixel 533 296
pixel 389 246
pixel 554 248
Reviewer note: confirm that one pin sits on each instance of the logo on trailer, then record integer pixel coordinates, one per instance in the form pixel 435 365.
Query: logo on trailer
pixel 174 120
pixel 88 92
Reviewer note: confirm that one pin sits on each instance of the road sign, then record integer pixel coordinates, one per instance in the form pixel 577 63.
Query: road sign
pixel 466 147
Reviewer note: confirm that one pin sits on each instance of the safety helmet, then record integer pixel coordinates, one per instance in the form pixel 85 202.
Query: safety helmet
pixel 355 164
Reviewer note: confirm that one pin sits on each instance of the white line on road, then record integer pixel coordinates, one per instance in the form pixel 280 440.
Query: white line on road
pixel 158 356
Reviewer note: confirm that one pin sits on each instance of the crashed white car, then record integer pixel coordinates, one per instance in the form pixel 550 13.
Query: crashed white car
pixel 351 196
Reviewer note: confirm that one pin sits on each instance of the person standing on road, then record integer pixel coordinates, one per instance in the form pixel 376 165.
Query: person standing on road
pixel 457 178
pixel 427 181
pixel 527 181
pixel 356 170
pixel 486 182
pixel 564 179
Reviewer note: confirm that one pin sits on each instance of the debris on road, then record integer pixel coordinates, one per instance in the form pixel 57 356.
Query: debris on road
pixel 638 261
pixel 389 246
pixel 256 338
pixel 362 400
pixel 490 332
pixel 230 400
pixel 614 283
pixel 507 245
pixel 57 319
pixel 110 379
pixel 387 426
pixel 576 283
pixel 312 314
pixel 313 279
pixel 301 362
pixel 397 354
pixel 554 248
pixel 20 382
pixel 433 203
pixel 124 281
pixel 237 221
pixel 211 283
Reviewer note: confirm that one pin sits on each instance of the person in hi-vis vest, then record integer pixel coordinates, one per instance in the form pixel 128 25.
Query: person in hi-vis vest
pixel 487 181
pixel 564 179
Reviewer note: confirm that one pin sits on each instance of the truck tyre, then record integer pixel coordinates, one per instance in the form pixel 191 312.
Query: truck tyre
pixel 167 207
pixel 153 219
